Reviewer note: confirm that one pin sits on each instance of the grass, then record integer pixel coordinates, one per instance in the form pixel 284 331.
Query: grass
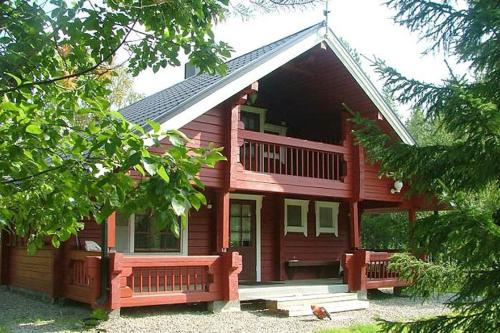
pixel 369 328
pixel 4 329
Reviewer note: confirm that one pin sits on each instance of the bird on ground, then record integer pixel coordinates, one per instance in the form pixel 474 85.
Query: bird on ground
pixel 320 312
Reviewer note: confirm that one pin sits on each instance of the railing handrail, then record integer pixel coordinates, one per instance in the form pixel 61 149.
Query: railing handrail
pixel 168 261
pixel 291 142
pixel 82 255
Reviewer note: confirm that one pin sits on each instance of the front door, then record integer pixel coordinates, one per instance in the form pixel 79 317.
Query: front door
pixel 242 235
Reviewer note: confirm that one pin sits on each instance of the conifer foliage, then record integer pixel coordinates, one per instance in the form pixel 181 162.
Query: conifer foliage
pixel 464 170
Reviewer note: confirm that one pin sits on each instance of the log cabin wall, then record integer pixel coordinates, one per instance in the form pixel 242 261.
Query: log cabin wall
pixel 326 247
pixel 209 128
pixel 34 272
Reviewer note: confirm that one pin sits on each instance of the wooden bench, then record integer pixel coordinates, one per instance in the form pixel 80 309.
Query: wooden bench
pixel 320 266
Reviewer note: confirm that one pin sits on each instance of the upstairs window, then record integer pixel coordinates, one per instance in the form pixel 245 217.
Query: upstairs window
pixel 253 118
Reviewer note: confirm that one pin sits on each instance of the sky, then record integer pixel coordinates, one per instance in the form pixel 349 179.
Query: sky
pixel 367 26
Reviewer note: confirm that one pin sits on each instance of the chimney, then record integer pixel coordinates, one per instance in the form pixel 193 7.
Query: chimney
pixel 190 70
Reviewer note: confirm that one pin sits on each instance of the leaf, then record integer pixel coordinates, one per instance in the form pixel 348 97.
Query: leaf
pixel 163 174
pixel 149 168
pixel 154 125
pixel 34 129
pixel 178 206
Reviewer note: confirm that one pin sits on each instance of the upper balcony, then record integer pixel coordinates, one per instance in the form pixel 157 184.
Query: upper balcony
pixel 267 160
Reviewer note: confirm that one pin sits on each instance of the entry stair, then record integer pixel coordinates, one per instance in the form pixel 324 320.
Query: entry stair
pixel 294 301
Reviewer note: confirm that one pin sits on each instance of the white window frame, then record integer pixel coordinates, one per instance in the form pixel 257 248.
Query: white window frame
pixel 334 229
pixel 261 112
pixel 304 204
pixel 183 239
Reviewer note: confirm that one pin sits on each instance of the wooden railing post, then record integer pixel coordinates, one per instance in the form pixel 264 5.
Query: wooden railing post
pixel 231 267
pixel 94 273
pixel 115 260
pixel 355 269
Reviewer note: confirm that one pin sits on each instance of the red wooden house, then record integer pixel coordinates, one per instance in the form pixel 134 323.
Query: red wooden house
pixel 283 211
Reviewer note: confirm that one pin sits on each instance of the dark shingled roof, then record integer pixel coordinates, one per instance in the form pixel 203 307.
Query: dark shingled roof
pixel 169 102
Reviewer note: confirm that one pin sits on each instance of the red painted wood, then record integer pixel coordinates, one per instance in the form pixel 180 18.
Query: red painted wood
pixel 291 142
pixel 369 270
pixel 112 231
pixel 222 236
pixel 35 272
pixel 354 225
pixel 153 272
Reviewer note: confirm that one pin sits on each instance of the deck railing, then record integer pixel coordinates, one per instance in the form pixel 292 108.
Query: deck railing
pixel 370 270
pixel 82 276
pixel 274 154
pixel 154 280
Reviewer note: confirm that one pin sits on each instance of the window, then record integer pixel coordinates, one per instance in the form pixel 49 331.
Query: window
pixel 148 239
pixel 251 121
pixel 253 118
pixel 241 221
pixel 138 234
pixel 296 216
pixel 327 216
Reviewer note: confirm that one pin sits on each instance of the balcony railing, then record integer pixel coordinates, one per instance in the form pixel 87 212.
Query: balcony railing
pixel 82 276
pixel 370 270
pixel 274 154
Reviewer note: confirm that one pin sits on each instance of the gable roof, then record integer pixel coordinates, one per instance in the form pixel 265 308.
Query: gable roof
pixel 183 102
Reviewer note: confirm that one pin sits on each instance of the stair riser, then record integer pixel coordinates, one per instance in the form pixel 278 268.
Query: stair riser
pixel 269 293
pixel 332 308
pixel 316 301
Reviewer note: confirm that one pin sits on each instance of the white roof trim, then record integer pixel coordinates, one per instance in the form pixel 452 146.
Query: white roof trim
pixel 368 87
pixel 246 76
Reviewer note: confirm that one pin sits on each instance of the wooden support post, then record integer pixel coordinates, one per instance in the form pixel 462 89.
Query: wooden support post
pixel 112 231
pixel 354 225
pixel 231 149
pixel 115 269
pixel 222 211
pixel 281 240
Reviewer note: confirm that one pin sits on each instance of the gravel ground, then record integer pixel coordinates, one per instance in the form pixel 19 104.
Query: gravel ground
pixel 21 314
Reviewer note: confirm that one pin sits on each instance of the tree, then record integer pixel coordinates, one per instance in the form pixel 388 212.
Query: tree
pixel 464 172
pixel 122 90
pixel 384 231
pixel 55 69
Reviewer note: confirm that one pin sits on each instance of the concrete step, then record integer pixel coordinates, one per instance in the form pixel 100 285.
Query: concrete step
pixel 287 301
pixel 335 307
pixel 275 291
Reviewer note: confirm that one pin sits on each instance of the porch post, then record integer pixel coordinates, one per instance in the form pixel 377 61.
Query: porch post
pixel 222 211
pixel 354 224
pixel 112 231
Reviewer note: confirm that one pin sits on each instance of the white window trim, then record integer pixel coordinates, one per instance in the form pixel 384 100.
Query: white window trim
pixel 335 215
pixel 258 207
pixel 260 111
pixel 183 238
pixel 304 204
